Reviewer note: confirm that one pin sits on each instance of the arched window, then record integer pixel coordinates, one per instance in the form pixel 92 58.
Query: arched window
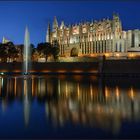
pixel 105 47
pixel 120 47
pixel 116 47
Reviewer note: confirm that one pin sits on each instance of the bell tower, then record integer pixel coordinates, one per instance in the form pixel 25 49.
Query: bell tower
pixel 48 35
pixel 117 25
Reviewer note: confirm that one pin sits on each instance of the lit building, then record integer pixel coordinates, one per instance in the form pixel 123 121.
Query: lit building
pixel 4 40
pixel 96 37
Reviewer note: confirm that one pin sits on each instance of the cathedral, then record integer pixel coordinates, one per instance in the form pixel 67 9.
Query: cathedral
pixel 101 37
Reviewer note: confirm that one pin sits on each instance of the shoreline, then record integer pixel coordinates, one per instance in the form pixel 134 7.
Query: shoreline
pixel 99 68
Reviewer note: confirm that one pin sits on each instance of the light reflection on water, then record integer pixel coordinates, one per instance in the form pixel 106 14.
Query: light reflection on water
pixel 89 102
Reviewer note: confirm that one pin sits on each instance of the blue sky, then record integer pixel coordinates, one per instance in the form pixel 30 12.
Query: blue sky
pixel 14 15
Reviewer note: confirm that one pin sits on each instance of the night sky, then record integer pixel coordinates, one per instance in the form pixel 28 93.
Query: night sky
pixel 14 16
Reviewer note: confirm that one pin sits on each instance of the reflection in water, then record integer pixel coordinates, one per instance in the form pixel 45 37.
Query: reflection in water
pixel 87 101
pixel 26 91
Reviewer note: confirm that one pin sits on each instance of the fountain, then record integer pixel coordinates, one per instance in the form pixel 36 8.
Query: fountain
pixel 26 53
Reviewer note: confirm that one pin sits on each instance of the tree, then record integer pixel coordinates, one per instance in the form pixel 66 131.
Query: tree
pixel 35 55
pixel 12 51
pixel 44 48
pixel 74 52
pixel 55 53
pixel 3 53
pixel 32 49
pixel 55 50
pixel 20 49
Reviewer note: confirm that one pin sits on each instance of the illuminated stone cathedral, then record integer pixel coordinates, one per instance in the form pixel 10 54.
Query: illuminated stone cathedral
pixel 95 37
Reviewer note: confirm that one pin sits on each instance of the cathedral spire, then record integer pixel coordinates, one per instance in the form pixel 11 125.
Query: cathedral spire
pixel 115 16
pixel 55 24
pixel 4 40
pixel 48 37
pixel 62 25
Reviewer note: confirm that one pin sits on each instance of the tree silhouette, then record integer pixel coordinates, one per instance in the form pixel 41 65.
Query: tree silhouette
pixel 45 48
pixel 3 52
pixel 55 50
pixel 12 51
pixel 74 52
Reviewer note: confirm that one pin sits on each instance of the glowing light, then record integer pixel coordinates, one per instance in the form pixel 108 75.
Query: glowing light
pixel 117 92
pixel 108 36
pixel 66 89
pixel 117 54
pixel 33 86
pixel 25 87
pixel 91 91
pixel 131 55
pixel 106 92
pixel 107 54
pixel 78 90
pixel 59 87
pixel 2 82
pixel 131 93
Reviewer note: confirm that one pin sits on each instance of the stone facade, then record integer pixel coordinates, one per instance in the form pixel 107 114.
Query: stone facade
pixel 95 37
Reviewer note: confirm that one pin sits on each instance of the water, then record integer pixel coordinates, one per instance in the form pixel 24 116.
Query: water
pixel 27 56
pixel 69 107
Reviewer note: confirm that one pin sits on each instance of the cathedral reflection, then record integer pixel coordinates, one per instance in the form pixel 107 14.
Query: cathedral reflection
pixel 76 99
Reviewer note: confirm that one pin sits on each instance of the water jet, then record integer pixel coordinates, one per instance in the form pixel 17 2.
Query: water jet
pixel 26 53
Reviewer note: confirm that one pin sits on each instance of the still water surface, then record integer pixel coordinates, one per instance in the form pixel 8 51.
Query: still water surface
pixel 69 107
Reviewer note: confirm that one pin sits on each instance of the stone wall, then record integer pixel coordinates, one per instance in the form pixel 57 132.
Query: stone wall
pixel 53 67
pixel 106 67
pixel 121 67
pixel 78 59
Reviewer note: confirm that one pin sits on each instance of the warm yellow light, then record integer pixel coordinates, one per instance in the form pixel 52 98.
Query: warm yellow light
pixel 106 92
pixel 117 54
pixel 91 91
pixel 66 89
pixel 131 55
pixel 131 93
pixel 25 87
pixel 107 54
pixel 32 86
pixel 78 90
pixel 117 92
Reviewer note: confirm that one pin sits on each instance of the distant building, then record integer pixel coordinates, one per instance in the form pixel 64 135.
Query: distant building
pixel 95 37
pixel 4 40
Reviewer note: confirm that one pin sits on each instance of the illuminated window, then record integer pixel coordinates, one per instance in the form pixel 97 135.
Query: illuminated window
pixel 75 30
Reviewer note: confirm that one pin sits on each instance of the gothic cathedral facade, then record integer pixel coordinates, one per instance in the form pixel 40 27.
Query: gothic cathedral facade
pixel 96 37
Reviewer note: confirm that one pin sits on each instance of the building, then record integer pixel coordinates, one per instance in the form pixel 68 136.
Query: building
pixel 94 38
pixel 4 40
